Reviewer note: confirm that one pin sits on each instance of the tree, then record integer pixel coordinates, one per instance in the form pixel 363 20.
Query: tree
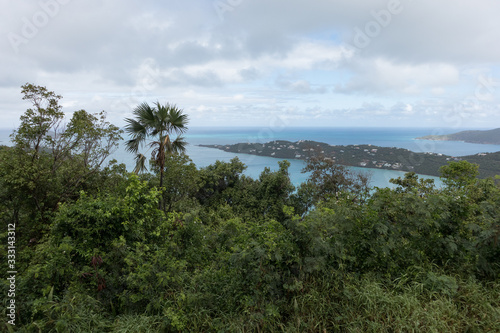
pixel 329 179
pixel 154 126
pixel 88 136
pixel 51 162
pixel 39 121
pixel 273 191
pixel 459 174
pixel 181 181
pixel 218 180
pixel 411 183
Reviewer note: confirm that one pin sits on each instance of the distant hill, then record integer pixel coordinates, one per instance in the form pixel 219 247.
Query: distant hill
pixel 365 156
pixel 483 137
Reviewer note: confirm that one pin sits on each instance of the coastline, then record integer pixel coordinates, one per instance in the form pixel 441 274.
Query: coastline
pixel 486 137
pixel 366 156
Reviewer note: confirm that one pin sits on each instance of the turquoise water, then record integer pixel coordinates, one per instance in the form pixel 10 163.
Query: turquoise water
pixel 387 137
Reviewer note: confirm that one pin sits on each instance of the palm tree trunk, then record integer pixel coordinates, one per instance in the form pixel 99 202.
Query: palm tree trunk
pixel 160 203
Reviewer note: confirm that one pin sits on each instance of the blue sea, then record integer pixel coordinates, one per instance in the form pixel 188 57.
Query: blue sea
pixel 386 137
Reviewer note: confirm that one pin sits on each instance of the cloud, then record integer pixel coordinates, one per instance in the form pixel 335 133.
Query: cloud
pixel 290 57
pixel 249 73
pixel 453 32
pixel 299 86
pixel 375 76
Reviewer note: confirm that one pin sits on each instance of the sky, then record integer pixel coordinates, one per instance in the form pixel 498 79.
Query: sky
pixel 272 63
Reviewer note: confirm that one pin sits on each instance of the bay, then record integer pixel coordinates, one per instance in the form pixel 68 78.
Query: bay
pixel 386 137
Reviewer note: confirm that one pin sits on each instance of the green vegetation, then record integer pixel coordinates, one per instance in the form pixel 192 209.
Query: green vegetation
pixel 95 252
pixel 483 137
pixel 156 124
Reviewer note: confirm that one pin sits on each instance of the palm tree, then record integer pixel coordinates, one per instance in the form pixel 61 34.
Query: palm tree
pixel 154 126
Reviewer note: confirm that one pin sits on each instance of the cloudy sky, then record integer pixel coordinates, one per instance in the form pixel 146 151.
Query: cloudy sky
pixel 391 63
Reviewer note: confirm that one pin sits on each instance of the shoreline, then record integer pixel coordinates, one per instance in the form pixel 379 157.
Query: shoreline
pixel 364 156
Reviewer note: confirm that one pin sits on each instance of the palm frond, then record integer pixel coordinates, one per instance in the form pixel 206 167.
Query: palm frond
pixel 155 155
pixel 166 140
pixel 178 146
pixel 132 145
pixel 145 115
pixel 153 144
pixel 137 131
pixel 140 163
pixel 162 112
pixel 177 120
pixel 135 128
pixel 158 121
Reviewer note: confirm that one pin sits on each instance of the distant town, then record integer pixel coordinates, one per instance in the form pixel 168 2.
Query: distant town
pixel 366 156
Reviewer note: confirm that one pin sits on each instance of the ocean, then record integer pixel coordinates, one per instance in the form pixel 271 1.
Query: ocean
pixel 387 137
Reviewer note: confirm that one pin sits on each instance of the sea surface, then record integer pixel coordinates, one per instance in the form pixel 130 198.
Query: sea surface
pixel 386 137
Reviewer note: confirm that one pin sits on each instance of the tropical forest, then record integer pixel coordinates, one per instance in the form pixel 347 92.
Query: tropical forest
pixel 88 246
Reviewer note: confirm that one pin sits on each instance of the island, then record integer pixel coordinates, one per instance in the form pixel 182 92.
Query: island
pixel 482 137
pixel 365 155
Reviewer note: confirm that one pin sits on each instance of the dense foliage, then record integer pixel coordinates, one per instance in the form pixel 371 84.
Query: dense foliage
pixel 97 253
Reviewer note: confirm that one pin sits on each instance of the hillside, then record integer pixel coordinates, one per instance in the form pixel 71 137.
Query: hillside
pixel 367 156
pixel 482 137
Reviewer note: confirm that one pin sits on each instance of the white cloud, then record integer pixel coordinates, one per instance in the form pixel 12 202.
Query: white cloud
pixel 290 59
pixel 383 76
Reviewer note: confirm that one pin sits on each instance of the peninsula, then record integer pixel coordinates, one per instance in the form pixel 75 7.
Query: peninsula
pixel 483 137
pixel 366 156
